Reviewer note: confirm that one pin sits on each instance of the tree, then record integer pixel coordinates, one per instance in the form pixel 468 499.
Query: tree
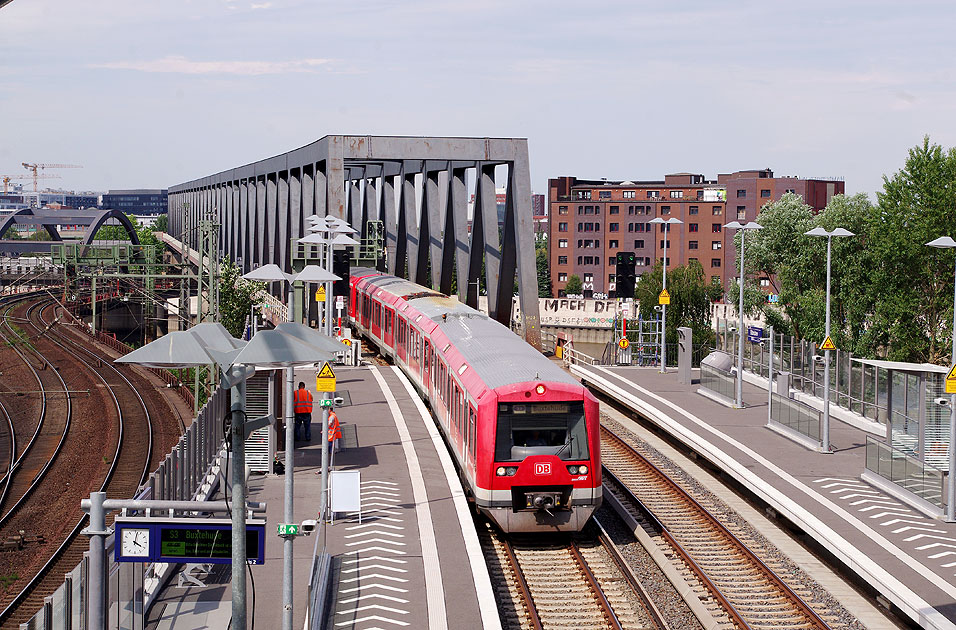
pixel 912 285
pixel 574 286
pixel 691 299
pixel 544 271
pixel 162 223
pixel 236 297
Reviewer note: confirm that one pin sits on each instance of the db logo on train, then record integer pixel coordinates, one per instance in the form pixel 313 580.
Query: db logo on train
pixel 542 468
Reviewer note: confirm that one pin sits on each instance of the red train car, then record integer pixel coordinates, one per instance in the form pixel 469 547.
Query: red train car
pixel 524 434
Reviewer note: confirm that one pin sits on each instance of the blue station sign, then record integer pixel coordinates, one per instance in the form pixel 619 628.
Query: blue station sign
pixel 754 334
pixel 180 540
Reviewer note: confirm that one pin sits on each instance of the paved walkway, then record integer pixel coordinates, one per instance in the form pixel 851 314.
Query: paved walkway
pixel 907 557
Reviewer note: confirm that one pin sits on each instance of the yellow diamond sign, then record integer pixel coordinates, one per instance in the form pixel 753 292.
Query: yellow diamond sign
pixel 664 297
pixel 951 381
pixel 320 294
pixel 828 344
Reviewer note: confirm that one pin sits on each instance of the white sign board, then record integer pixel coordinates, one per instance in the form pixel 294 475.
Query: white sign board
pixel 345 489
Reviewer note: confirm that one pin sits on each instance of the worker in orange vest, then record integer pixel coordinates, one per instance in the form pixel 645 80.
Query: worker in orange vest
pixel 334 430
pixel 302 406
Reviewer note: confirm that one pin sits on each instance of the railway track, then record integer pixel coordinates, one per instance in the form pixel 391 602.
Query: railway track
pixel 747 591
pixel 128 457
pixel 578 582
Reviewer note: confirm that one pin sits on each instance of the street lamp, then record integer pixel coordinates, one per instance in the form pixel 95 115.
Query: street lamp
pixel 274 273
pixel 666 223
pixel 736 225
pixel 947 242
pixel 825 432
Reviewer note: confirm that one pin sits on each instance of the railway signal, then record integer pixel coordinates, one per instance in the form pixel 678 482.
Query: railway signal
pixel 624 275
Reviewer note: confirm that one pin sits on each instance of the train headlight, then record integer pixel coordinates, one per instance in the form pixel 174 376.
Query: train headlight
pixel 578 470
pixel 506 471
pixel 501 471
pixel 540 389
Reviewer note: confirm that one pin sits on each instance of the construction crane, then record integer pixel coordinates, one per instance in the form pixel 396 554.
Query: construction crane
pixel 9 178
pixel 35 167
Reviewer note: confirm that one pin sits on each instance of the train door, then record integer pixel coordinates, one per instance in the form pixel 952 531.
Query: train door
pixel 376 326
pixel 471 443
pixel 426 362
pixel 352 298
pixel 388 331
pixel 400 328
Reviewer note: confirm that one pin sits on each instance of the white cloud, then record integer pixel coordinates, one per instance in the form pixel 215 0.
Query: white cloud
pixel 182 65
pixel 261 5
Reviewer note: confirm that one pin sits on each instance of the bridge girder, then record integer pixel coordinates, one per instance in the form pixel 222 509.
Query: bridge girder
pixel 417 186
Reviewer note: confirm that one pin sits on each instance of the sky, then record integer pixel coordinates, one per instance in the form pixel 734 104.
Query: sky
pixel 148 94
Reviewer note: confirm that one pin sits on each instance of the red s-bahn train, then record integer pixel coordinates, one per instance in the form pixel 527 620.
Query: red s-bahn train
pixel 524 434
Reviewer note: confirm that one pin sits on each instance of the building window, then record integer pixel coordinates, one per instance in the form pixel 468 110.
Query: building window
pixel 665 210
pixel 614 227
pixel 615 209
pixel 589 260
pixel 580 260
pixel 584 194
pixel 715 228
pixel 562 260
pixel 589 277
pixel 604 194
pixel 639 244
pixel 562 209
pixel 653 194
pixel 691 227
pixel 741 213
pixel 715 279
pixel 790 190
pixel 693 210
pixel 611 261
pixel 765 193
pixel 677 194
pixel 693 260
pixel 580 209
pixel 715 262
pixel 562 277
pixel 612 244
pixel 691 244
pixel 700 195
pixel 717 211
pixel 630 194
pixel 580 227
pixel 610 278
pixel 765 282
pixel 715 245
pixel 741 193
pixel 562 227
pixel 563 242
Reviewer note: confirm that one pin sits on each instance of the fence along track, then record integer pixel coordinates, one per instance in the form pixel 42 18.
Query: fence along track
pixel 748 590
pixel 122 480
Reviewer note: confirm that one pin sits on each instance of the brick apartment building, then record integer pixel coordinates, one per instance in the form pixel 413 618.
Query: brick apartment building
pixel 591 220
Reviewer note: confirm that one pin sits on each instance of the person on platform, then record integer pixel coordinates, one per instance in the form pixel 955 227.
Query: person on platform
pixel 302 406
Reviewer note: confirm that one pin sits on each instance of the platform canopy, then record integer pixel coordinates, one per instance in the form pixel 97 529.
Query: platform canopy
pixel 50 220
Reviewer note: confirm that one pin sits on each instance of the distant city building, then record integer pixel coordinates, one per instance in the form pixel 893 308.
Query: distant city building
pixel 81 201
pixel 138 202
pixel 589 221
pixel 539 208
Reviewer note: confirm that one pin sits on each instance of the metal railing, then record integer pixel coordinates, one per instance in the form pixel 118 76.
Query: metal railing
pixel 907 472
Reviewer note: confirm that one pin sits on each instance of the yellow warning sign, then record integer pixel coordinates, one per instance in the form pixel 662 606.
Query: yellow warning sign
pixel 325 379
pixel 828 344
pixel 951 381
pixel 347 342
pixel 623 343
pixel 664 297
pixel 320 294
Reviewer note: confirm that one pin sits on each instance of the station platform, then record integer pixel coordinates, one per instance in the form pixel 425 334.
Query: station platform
pixel 410 560
pixel 906 557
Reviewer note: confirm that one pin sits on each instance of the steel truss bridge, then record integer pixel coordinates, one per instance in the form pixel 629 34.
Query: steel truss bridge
pixel 417 187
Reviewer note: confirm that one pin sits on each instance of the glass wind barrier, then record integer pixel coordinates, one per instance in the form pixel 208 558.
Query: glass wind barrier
pixel 796 416
pixel 905 471
pixel 718 381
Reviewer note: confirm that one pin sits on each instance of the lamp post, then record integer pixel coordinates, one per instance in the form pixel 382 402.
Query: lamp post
pixel 275 274
pixel 947 242
pixel 666 223
pixel 736 225
pixel 825 432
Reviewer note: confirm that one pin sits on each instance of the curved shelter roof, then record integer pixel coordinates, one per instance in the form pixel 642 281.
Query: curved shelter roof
pixel 51 220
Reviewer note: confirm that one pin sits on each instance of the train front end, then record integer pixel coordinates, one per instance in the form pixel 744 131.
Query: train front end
pixel 545 474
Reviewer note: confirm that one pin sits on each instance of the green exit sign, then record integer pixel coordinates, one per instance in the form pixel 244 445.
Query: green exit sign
pixel 288 529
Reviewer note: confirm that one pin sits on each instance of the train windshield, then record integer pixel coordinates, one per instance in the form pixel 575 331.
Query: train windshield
pixel 552 428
